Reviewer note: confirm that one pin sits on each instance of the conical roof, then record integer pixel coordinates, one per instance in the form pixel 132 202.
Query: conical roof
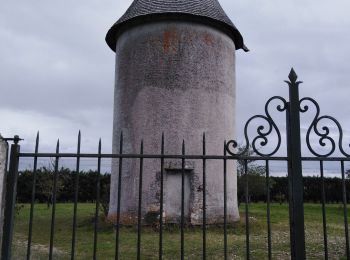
pixel 205 11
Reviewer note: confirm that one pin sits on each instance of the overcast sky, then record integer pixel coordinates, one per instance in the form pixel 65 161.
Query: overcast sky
pixel 57 73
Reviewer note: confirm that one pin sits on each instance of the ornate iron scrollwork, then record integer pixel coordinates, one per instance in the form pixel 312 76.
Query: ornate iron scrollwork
pixel 322 131
pixel 263 132
pixel 325 139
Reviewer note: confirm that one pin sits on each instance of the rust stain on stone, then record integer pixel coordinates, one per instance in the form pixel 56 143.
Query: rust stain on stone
pixel 170 40
pixel 188 39
pixel 208 39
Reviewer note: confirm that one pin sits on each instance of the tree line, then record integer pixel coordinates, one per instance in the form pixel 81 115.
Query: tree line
pixel 66 182
pixel 279 189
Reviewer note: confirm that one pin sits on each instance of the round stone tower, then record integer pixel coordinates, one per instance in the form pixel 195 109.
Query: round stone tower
pixel 175 74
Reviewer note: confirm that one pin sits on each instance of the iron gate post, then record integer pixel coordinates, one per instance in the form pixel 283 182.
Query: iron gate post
pixel 10 197
pixel 295 177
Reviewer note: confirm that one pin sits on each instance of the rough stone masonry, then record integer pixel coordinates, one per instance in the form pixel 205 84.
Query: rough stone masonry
pixel 175 74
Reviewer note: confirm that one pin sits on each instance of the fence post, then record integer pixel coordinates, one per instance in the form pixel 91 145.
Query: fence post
pixel 3 168
pixel 295 177
pixel 10 200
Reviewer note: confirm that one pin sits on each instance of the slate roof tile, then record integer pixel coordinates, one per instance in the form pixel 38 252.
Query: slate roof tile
pixel 203 10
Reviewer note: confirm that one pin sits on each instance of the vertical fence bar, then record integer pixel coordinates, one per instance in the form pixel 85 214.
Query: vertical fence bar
pixel 11 190
pixel 295 177
pixel 29 244
pixel 247 209
pixel 54 191
pixel 161 200
pixel 345 210
pixel 204 222
pixel 97 208
pixel 76 193
pixel 140 206
pixel 290 193
pixel 119 198
pixel 268 213
pixel 183 202
pixel 324 220
pixel 225 203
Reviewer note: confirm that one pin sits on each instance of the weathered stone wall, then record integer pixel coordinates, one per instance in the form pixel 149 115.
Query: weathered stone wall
pixel 3 163
pixel 178 78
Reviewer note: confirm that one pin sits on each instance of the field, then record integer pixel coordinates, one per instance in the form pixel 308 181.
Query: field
pixel 193 235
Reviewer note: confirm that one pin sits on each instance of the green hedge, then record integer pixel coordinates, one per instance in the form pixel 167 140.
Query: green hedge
pixel 88 179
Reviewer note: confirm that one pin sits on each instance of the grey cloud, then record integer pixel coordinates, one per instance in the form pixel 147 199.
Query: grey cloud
pixel 56 68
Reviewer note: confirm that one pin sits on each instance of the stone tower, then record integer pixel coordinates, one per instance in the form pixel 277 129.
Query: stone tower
pixel 175 74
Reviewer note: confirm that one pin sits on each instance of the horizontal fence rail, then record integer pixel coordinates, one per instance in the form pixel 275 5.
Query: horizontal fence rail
pixel 174 156
pixel 159 156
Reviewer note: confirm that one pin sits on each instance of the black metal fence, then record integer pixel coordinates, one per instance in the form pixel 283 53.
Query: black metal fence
pixel 292 109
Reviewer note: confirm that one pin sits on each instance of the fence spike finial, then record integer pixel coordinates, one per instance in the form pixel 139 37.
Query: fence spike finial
pixel 292 75
pixel 121 143
pixel 37 137
pixel 225 143
pixel 58 145
pixel 162 144
pixel 36 149
pixel 79 142
pixel 204 143
pixel 16 139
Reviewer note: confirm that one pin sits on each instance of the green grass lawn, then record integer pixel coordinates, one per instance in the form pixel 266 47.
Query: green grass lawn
pixel 193 236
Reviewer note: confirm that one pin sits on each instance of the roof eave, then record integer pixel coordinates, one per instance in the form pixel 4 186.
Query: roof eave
pixel 118 28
